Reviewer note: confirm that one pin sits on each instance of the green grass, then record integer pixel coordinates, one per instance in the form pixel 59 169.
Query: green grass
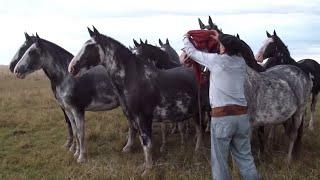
pixel 33 131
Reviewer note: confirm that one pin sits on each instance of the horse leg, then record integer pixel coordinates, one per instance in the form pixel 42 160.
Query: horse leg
pixel 313 110
pixel 145 129
pixel 80 124
pixel 75 145
pixel 297 121
pixel 272 131
pixel 163 134
pixel 187 125
pixel 208 121
pixel 198 132
pixel 131 136
pixel 261 138
pixel 174 128
pixel 297 144
pixel 181 128
pixel 70 132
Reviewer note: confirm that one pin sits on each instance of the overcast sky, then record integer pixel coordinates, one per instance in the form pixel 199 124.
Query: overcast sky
pixel 64 22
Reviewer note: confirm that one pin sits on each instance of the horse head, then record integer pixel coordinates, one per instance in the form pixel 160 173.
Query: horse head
pixel 23 48
pixel 32 59
pixel 210 26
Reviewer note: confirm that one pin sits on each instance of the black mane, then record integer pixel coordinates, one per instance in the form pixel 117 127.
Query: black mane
pixel 63 56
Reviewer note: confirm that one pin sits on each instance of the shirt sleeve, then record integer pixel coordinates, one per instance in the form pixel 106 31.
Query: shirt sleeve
pixel 203 58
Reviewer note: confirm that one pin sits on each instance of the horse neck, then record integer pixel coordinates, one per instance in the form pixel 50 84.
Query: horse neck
pixel 251 61
pixel 123 65
pixel 160 58
pixel 56 64
pixel 174 57
pixel 283 56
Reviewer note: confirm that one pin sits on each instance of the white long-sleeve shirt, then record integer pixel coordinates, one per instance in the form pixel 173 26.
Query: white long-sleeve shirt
pixel 226 78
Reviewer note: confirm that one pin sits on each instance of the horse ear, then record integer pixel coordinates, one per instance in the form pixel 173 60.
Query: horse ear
pixel 37 39
pixel 96 32
pixel 90 32
pixel 210 22
pixel 135 43
pixel 202 26
pixel 167 41
pixel 27 36
pixel 238 36
pixel 274 33
pixel 141 42
pixel 146 41
pixel 160 42
pixel 268 35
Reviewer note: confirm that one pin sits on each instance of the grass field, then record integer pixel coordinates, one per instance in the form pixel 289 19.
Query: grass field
pixel 33 131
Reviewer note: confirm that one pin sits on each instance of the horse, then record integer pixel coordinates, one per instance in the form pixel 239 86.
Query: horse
pixel 167 60
pixel 173 55
pixel 162 60
pixel 278 53
pixel 210 26
pixel 29 40
pixel 270 99
pixel 145 92
pixel 156 56
pixel 90 91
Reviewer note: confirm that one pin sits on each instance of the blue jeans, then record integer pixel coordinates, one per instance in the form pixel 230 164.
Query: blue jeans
pixel 231 133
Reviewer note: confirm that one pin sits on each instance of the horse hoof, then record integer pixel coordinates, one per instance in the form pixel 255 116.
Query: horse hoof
pixel 162 149
pixel 126 149
pixel 146 172
pixel 68 144
pixel 311 128
pixel 76 154
pixel 174 131
pixel 81 159
pixel 72 148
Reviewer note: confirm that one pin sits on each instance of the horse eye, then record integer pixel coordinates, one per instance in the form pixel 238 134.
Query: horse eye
pixel 32 53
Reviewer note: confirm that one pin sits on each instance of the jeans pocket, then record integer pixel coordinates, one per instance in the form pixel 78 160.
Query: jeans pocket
pixel 222 129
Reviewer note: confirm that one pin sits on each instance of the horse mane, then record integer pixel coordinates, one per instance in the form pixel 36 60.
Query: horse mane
pixel 157 50
pixel 59 53
pixel 248 55
pixel 283 47
pixel 121 51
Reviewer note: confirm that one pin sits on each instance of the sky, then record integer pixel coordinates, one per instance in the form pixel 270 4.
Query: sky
pixel 65 22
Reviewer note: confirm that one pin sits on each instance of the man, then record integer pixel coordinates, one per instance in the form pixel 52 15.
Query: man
pixel 230 126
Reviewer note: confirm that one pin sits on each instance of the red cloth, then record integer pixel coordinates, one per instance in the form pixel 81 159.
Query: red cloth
pixel 202 41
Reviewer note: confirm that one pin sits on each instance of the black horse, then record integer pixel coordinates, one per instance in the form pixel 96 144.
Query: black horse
pixel 278 53
pixel 159 58
pixel 173 55
pixel 90 91
pixel 145 92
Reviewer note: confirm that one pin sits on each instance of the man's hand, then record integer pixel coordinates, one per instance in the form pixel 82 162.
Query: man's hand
pixel 183 57
pixel 215 35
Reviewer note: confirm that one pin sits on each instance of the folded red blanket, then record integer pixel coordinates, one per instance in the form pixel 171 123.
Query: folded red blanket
pixel 202 41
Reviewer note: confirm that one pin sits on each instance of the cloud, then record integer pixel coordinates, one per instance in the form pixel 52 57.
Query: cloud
pixel 65 22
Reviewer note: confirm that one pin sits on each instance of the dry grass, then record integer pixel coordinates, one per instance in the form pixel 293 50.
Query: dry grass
pixel 32 132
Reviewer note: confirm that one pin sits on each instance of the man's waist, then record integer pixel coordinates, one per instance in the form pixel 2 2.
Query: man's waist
pixel 228 110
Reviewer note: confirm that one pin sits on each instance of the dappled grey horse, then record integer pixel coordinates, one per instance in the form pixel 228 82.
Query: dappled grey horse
pixel 278 53
pixel 145 92
pixel 90 91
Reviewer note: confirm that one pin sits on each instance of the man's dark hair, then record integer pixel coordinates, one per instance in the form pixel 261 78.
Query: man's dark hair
pixel 231 43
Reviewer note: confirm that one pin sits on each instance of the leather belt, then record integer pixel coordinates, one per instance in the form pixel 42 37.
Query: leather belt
pixel 228 110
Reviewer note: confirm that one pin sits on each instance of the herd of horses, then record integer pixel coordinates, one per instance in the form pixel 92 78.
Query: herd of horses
pixel 149 84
